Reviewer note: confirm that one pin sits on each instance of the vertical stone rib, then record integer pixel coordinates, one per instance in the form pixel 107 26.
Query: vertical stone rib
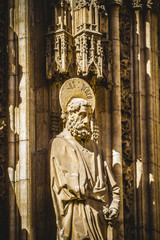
pixel 22 166
pixel 116 109
pixel 154 49
pixel 136 45
pixel 133 127
pixel 11 135
pixel 136 70
pixel 144 230
pixel 143 101
pixel 141 169
pixel 108 128
pixel 150 127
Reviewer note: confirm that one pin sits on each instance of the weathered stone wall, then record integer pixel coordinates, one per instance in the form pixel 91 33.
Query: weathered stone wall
pixel 3 123
pixel 140 130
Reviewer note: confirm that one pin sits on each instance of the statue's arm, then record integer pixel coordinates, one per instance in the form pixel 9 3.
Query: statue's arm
pixel 114 206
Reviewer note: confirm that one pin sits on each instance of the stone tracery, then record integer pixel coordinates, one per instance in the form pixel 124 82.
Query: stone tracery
pixel 77 48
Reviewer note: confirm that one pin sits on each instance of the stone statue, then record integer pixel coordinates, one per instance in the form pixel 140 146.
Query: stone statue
pixel 80 177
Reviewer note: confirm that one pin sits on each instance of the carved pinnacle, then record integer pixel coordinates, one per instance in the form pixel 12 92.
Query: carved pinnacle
pixel 149 3
pixel 136 4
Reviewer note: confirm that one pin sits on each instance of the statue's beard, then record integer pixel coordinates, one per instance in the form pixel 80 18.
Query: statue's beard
pixel 79 131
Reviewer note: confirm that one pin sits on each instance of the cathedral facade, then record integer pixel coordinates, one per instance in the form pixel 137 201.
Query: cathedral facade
pixel 114 45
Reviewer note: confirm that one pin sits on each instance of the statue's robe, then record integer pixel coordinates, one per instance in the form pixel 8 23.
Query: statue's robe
pixel 79 186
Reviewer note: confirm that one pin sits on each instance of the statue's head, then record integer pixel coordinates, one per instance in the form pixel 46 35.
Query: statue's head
pixel 77 102
pixel 78 119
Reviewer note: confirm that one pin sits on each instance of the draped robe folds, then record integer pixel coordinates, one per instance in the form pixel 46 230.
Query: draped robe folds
pixel 79 186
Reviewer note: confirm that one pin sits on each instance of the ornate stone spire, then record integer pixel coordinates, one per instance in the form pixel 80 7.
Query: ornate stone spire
pixel 76 48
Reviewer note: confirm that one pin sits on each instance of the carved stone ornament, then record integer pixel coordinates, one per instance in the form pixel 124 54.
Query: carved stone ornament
pixel 55 123
pixel 82 3
pixel 80 177
pixel 136 3
pixel 126 110
pixel 149 3
pixel 76 49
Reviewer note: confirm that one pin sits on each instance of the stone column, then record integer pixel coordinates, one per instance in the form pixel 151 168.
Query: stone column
pixel 11 123
pixel 23 166
pixel 62 15
pixel 56 16
pixel 151 141
pixel 84 15
pixel 154 182
pixel 97 18
pixel 140 160
pixel 90 13
pixel 137 127
pixel 116 107
pixel 19 164
pixel 145 95
pixel 140 126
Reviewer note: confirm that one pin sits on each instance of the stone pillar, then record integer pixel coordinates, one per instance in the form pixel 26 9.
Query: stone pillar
pixel 97 18
pixel 84 15
pixel 145 138
pixel 150 130
pixel 151 126
pixel 140 161
pixel 62 16
pixel 116 107
pixel 19 163
pixel 11 127
pixel 23 165
pixel 55 16
pixel 137 78
pixel 154 182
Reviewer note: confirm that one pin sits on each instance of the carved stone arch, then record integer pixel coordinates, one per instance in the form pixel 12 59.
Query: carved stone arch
pixel 93 68
pixel 94 4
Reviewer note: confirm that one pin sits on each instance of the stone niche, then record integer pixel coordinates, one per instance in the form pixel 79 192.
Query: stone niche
pixel 77 38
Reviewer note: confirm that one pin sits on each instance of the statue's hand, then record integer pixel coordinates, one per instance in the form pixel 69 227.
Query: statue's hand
pixel 110 214
pixel 105 210
pixel 113 213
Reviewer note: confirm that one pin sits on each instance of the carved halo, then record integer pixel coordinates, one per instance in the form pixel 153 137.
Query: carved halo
pixel 76 88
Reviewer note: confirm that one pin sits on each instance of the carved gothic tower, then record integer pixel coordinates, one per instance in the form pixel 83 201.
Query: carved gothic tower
pixel 76 39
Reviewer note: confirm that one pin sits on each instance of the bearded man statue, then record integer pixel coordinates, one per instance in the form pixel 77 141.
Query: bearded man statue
pixel 80 177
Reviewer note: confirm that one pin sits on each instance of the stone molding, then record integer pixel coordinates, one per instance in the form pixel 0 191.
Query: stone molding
pixel 114 2
pixel 82 3
pixel 149 4
pixel 153 5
